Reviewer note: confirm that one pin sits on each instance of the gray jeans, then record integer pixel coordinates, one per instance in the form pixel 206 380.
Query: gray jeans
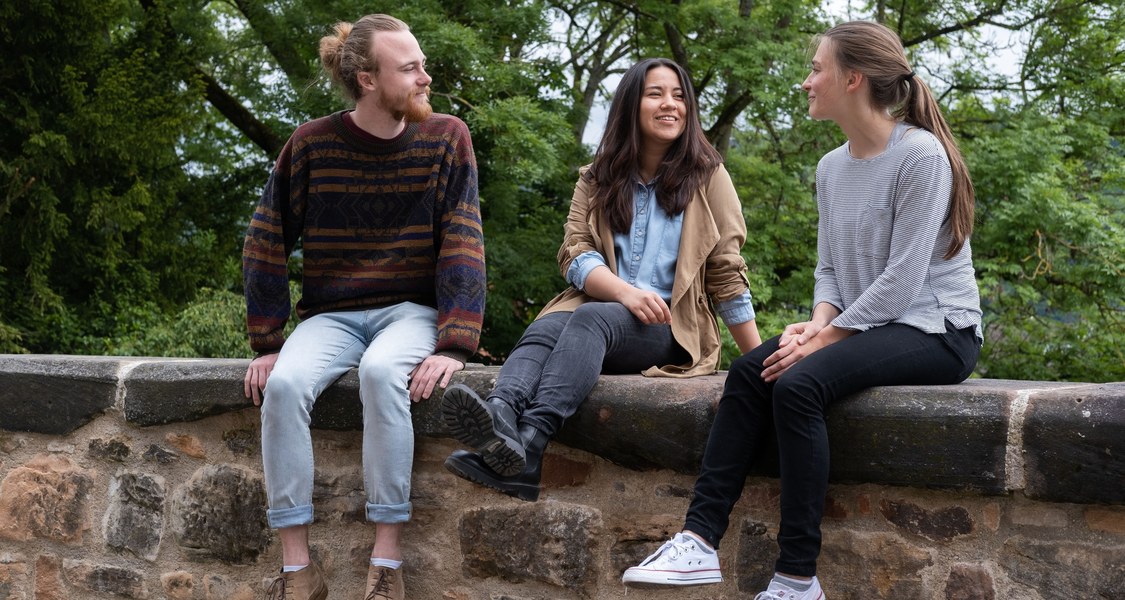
pixel 557 361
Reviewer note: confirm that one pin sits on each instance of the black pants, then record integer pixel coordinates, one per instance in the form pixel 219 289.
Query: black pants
pixel 795 405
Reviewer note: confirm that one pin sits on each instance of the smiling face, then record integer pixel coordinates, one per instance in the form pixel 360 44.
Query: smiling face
pixel 663 109
pixel 825 85
pixel 401 84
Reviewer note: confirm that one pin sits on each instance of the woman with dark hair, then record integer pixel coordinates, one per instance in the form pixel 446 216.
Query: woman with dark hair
pixel 651 243
pixel 895 303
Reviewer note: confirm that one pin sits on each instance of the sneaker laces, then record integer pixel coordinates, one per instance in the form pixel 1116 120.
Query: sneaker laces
pixel 382 586
pixel 673 547
pixel 276 590
pixel 768 595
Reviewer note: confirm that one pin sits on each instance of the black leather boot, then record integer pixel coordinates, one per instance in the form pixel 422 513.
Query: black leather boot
pixel 525 485
pixel 487 425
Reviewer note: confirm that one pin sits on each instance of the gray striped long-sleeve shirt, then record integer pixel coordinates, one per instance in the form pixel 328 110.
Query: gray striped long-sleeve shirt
pixel 882 236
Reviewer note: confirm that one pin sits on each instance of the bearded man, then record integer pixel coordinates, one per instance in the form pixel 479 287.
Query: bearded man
pixel 383 200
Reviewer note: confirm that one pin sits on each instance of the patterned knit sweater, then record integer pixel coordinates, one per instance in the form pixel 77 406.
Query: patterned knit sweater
pixel 380 222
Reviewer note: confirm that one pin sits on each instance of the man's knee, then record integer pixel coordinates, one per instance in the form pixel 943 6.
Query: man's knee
pixel 282 385
pixel 382 372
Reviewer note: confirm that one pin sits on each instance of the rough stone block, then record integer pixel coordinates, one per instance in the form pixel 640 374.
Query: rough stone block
pixel 15 582
pixel 45 498
pixel 639 535
pixel 160 455
pixel 57 447
pixel 178 585
pixel 176 390
pixel 135 518
pixel 892 567
pixel 338 495
pixel 54 394
pixel 48 578
pixel 219 587
pixel 548 542
pixel 969 582
pixel 1065 569
pixel 105 578
pixel 11 443
pixel 1074 441
pixel 941 525
pixel 244 441
pixel 922 436
pixel 757 552
pixel 220 513
pixel 559 471
pixel 1039 516
pixel 188 445
pixel 1109 520
pixel 116 449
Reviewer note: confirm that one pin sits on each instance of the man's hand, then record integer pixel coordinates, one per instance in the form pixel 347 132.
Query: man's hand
pixel 435 370
pixel 256 375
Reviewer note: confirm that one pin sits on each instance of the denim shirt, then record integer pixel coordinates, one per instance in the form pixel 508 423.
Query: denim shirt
pixel 652 266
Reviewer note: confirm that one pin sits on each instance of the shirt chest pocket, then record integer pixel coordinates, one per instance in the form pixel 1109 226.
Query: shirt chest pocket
pixel 873 229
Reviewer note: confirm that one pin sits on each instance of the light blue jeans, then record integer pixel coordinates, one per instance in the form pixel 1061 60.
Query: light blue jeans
pixel 386 344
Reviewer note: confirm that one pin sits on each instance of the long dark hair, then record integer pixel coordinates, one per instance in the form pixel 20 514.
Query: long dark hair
pixel 689 160
pixel 876 51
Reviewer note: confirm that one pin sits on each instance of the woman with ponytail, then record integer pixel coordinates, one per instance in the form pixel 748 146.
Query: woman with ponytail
pixel 895 303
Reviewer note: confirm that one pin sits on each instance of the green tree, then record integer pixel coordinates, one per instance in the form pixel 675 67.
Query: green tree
pixel 137 136
pixel 93 218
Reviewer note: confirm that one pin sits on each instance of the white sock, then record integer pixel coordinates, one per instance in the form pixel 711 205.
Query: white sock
pixel 699 543
pixel 797 585
pixel 292 568
pixel 385 562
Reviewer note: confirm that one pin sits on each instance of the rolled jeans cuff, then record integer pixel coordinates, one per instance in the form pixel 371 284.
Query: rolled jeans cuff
pixel 280 518
pixel 388 513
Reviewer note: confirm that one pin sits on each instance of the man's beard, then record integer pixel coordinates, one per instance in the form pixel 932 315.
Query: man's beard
pixel 407 107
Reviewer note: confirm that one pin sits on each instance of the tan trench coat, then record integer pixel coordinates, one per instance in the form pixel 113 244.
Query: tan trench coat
pixel 709 268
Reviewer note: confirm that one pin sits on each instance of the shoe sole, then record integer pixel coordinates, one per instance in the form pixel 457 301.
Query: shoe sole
pixel 646 579
pixel 523 491
pixel 471 424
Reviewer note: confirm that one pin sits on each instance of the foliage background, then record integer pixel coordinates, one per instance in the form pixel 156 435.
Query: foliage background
pixel 135 136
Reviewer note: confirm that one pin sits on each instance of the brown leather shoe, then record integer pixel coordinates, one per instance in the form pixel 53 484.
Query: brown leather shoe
pixel 306 584
pixel 384 583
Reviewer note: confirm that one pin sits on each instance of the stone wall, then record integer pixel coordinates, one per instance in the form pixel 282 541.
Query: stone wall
pixel 141 478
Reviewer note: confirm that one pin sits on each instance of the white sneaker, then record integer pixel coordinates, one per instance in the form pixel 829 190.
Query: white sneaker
pixel 780 591
pixel 680 561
